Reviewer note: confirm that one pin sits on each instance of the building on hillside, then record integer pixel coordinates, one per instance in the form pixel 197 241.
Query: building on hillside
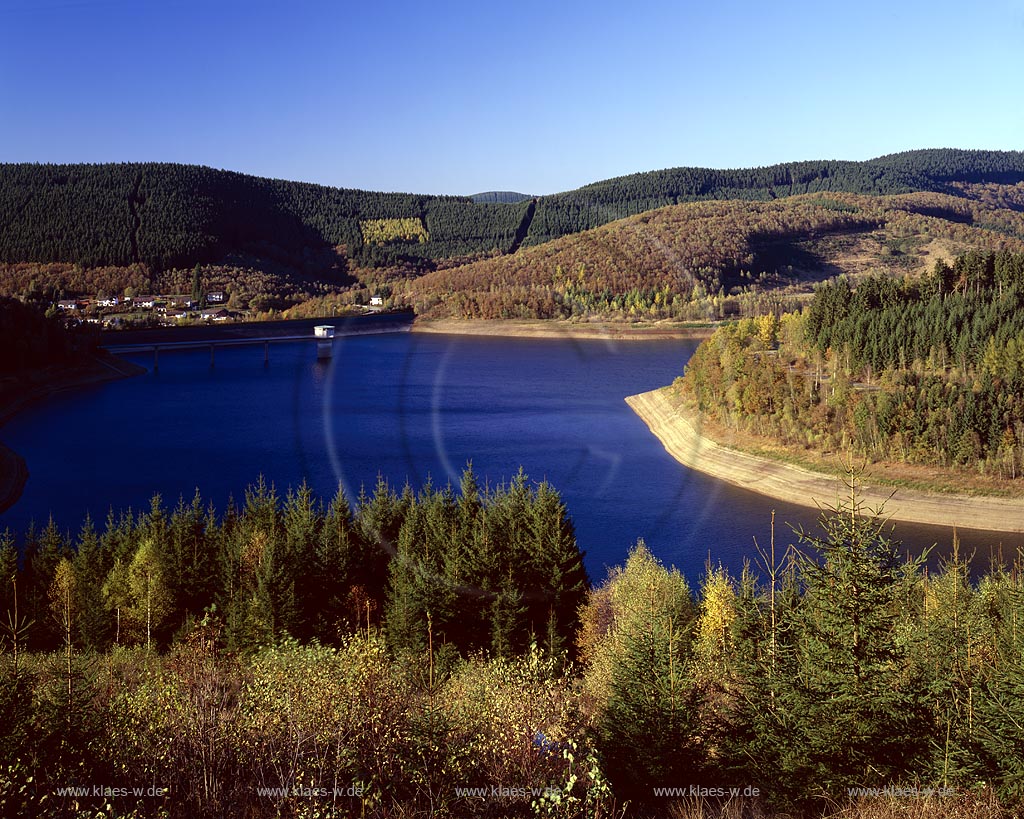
pixel 216 297
pixel 68 304
pixel 376 301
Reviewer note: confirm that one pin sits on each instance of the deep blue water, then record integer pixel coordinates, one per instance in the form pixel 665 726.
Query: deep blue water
pixel 407 406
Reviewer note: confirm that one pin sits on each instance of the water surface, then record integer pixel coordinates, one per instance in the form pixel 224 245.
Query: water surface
pixel 409 407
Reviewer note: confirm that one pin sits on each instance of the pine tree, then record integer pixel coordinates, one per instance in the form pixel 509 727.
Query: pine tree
pixel 8 577
pixel 864 714
pixel 420 598
pixel 762 735
pixel 191 560
pixel 508 620
pixel 198 294
pixel 302 519
pixel 334 561
pixel 998 715
pixel 557 571
pixel 380 517
pixel 91 569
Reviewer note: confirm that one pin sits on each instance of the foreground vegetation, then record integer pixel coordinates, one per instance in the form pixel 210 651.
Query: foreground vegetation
pixel 438 654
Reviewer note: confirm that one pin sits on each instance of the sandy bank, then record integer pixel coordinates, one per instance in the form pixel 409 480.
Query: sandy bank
pixel 801 486
pixel 539 328
pixel 99 369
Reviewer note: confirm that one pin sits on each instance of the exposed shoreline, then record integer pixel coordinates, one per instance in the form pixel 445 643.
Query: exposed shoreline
pixel 98 370
pixel 552 328
pixel 794 484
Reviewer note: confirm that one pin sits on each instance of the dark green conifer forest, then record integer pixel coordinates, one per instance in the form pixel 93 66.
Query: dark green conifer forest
pixel 172 216
pixel 440 651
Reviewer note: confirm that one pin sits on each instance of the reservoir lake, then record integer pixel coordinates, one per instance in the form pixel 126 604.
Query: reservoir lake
pixel 410 406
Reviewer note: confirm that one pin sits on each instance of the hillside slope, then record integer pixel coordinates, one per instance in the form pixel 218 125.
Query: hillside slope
pixel 165 215
pixel 934 170
pixel 689 261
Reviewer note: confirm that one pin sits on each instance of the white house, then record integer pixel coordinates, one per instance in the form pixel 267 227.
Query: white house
pixel 376 301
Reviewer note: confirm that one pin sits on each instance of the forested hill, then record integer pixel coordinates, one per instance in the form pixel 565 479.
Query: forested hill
pixel 915 373
pixel 926 170
pixel 708 260
pixel 166 215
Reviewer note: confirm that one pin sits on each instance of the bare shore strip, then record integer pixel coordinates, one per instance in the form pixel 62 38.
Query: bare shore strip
pixel 801 486
pixel 99 369
pixel 548 328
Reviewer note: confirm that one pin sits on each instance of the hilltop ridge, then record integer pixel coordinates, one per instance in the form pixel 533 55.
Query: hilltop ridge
pixel 167 215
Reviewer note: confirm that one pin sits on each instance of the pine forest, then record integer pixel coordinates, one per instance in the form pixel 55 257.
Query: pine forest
pixel 401 654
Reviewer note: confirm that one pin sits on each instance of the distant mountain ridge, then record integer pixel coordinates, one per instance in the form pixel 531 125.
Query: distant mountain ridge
pixel 931 170
pixel 167 215
pixel 502 197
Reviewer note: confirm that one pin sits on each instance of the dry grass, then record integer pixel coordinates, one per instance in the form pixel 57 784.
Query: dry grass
pixel 956 806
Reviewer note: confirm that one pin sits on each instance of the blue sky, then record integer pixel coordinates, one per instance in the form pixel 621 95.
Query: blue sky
pixel 460 97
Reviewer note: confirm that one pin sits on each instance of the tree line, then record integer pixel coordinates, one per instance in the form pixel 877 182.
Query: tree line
pixel 829 664
pixel 164 215
pixel 925 370
pixel 473 569
pixel 928 170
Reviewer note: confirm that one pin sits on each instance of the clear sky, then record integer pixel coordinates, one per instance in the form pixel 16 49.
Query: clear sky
pixel 538 97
